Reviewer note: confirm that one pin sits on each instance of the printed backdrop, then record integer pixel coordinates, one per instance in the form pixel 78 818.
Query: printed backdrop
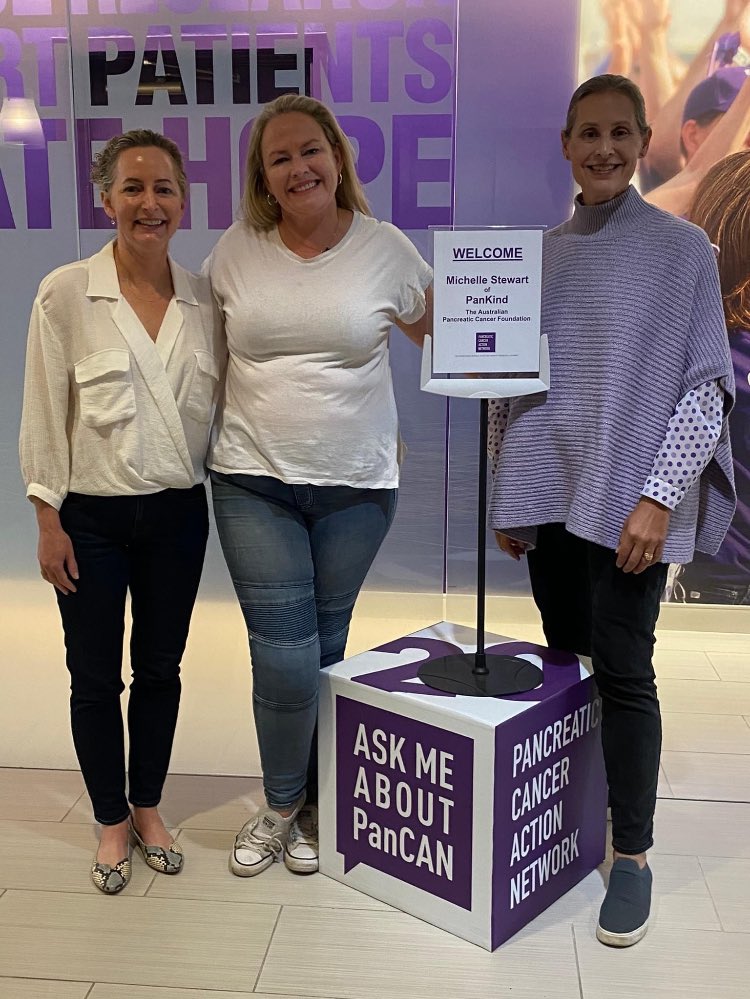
pixel 453 107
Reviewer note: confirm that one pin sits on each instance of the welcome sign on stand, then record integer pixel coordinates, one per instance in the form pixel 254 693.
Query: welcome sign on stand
pixel 474 814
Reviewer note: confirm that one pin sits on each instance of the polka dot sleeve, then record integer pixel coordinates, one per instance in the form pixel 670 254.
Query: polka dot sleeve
pixel 498 410
pixel 690 442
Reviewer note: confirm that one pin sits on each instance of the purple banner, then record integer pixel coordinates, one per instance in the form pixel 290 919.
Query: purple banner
pixel 550 805
pixel 404 796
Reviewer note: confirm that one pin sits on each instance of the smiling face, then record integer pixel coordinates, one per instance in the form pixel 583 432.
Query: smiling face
pixel 300 167
pixel 604 145
pixel 144 199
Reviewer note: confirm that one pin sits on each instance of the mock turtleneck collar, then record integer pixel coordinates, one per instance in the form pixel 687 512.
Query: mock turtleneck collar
pixel 588 219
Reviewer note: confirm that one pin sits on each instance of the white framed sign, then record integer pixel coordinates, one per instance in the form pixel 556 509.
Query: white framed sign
pixel 487 308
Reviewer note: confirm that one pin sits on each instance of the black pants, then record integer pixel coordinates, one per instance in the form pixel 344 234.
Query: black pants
pixel 152 546
pixel 591 607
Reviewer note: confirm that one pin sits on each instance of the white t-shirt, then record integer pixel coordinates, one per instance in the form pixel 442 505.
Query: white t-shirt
pixel 309 397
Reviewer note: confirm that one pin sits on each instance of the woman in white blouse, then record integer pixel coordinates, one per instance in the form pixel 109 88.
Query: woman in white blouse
pixel 305 461
pixel 124 356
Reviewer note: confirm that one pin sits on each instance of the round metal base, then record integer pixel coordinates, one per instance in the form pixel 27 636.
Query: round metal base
pixel 456 675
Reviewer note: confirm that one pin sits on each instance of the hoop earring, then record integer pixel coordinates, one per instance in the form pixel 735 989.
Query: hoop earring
pixel 341 179
pixel 271 200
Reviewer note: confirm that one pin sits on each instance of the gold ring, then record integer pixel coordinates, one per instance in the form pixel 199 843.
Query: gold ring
pixel 647 556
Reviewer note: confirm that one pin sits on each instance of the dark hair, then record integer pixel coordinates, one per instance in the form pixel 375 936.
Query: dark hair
pixel 721 206
pixel 601 85
pixel 702 121
pixel 105 162
pixel 256 208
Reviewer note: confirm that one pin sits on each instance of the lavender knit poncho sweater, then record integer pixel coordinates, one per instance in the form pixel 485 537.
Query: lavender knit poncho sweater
pixel 633 312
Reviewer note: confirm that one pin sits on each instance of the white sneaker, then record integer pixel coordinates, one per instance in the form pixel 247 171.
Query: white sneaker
pixel 301 850
pixel 261 841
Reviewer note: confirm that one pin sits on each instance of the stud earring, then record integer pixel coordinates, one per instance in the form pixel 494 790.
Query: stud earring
pixel 112 221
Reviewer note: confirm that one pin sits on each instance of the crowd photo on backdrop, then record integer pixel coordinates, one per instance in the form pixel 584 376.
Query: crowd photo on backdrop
pixel 125 357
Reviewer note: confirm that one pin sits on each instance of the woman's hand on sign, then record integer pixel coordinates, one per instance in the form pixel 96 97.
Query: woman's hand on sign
pixel 510 546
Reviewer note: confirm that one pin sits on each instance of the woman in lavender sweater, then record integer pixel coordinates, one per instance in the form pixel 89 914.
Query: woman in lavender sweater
pixel 624 465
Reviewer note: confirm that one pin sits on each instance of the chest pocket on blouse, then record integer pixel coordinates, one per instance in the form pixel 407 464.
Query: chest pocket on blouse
pixel 202 386
pixel 105 387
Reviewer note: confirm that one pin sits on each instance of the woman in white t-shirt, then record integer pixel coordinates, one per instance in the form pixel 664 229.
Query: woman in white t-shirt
pixel 305 459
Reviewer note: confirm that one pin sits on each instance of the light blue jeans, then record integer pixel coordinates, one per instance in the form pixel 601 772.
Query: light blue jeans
pixel 297 555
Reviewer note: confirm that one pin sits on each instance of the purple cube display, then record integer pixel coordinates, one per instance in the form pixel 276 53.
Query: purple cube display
pixel 474 814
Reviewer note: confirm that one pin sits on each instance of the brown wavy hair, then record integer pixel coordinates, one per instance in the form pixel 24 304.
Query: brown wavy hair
pixel 257 211
pixel 721 206
pixel 105 162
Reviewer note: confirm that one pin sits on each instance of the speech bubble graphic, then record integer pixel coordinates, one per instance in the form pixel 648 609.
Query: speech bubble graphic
pixel 560 669
pixel 404 795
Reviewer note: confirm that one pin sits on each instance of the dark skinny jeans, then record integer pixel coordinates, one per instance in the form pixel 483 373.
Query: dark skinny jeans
pixel 591 607
pixel 152 546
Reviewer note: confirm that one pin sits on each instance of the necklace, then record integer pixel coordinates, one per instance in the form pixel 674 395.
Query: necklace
pixel 316 249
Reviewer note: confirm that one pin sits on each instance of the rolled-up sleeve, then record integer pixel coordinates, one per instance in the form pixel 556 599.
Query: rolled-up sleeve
pixel 44 447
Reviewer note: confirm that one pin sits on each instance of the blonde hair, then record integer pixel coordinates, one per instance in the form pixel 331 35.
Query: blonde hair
pixel 105 162
pixel 261 213
pixel 721 206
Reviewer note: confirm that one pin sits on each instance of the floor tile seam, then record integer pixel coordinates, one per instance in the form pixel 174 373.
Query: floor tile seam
pixel 202 898
pixel 392 911
pixel 715 801
pixel 578 963
pixel 163 898
pixel 78 892
pixel 747 719
pixel 271 935
pixel 51 770
pixel 711 894
pixel 49 978
pixel 654 851
pixel 79 798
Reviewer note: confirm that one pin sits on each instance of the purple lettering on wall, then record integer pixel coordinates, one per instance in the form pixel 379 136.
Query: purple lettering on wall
pixel 380 34
pixel 215 171
pixel 335 62
pixel 370 144
pixel 32 8
pixel 409 171
pixel 46 40
pixel 36 168
pixel 434 62
pixel 88 131
pixel 243 144
pixel 10 46
pixel 6 215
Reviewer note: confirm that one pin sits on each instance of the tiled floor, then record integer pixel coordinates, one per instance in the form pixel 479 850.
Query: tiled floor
pixel 207 935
